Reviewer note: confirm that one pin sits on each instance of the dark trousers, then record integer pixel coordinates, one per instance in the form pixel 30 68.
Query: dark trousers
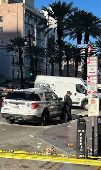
pixel 69 112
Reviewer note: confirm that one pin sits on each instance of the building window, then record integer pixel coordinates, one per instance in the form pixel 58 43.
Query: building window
pixel 1 40
pixel 1 29
pixel 32 31
pixel 26 30
pixel 3 0
pixel 39 43
pixel 12 59
pixel 1 18
pixel 17 60
pixel 9 11
pixel 18 74
pixel 38 34
pixel 12 74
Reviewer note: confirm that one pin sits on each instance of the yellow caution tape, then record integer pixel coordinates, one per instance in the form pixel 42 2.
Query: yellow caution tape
pixel 51 158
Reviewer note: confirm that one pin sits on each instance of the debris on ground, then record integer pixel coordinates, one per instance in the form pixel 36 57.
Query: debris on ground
pixel 50 150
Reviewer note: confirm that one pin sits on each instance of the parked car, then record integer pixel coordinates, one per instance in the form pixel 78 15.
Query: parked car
pixel 34 104
pixel 3 93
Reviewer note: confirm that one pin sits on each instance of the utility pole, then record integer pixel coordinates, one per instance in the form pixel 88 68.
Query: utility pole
pixel 29 36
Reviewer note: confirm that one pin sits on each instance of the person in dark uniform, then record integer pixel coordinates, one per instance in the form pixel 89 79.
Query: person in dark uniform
pixel 68 104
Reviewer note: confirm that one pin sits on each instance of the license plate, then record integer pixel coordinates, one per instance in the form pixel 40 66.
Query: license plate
pixel 16 106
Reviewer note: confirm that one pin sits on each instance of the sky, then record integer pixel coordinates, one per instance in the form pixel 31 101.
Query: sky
pixel 93 6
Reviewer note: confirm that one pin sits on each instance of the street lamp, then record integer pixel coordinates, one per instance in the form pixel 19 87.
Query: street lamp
pixel 29 36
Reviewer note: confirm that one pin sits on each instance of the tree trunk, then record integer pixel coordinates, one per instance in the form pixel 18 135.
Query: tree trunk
pixel 59 32
pixel 86 40
pixel 79 38
pixel 67 68
pixel 52 69
pixel 76 66
pixel 21 70
pixel 36 60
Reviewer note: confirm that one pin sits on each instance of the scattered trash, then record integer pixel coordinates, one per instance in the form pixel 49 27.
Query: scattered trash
pixel 49 150
pixel 70 144
pixel 89 151
pixel 90 138
pixel 68 126
pixel 96 135
pixel 38 146
pixel 31 136
pixel 65 141
pixel 3 129
pixel 39 143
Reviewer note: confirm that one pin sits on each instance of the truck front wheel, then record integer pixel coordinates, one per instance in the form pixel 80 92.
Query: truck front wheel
pixel 85 105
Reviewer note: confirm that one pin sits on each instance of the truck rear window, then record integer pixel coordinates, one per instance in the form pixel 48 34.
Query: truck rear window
pixel 23 96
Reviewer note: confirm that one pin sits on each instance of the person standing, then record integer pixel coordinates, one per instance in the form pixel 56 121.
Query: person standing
pixel 68 104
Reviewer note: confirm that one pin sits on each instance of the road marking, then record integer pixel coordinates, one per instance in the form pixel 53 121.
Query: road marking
pixel 43 157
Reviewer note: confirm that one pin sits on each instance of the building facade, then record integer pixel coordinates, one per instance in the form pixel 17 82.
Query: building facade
pixel 17 17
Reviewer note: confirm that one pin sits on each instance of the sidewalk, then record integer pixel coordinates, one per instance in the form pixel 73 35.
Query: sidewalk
pixel 64 136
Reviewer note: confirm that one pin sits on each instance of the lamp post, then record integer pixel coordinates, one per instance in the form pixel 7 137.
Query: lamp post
pixel 29 36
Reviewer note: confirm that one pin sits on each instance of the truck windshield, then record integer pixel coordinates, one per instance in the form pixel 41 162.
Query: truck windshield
pixel 80 88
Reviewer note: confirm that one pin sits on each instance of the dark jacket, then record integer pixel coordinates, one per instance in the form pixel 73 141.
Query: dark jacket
pixel 67 100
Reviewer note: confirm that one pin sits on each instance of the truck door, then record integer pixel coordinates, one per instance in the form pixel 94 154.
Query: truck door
pixel 79 95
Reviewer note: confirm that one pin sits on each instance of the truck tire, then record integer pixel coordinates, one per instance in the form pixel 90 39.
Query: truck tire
pixel 44 119
pixel 85 105
pixel 10 121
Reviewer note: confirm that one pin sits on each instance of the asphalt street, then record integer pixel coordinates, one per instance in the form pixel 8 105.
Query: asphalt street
pixel 32 138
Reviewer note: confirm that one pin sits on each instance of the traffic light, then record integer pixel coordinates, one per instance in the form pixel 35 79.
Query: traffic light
pixel 52 60
pixel 31 73
pixel 94 45
pixel 70 46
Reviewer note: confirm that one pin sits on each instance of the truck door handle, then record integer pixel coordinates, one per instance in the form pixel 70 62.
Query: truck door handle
pixel 75 94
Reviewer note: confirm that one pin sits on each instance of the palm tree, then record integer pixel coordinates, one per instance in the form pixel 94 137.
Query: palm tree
pixel 87 23
pixel 98 43
pixel 16 45
pixel 37 52
pixel 60 12
pixel 70 53
pixel 92 28
pixel 75 30
pixel 51 52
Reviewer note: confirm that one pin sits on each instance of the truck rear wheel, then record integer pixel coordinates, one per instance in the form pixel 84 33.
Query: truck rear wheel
pixel 10 121
pixel 85 105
